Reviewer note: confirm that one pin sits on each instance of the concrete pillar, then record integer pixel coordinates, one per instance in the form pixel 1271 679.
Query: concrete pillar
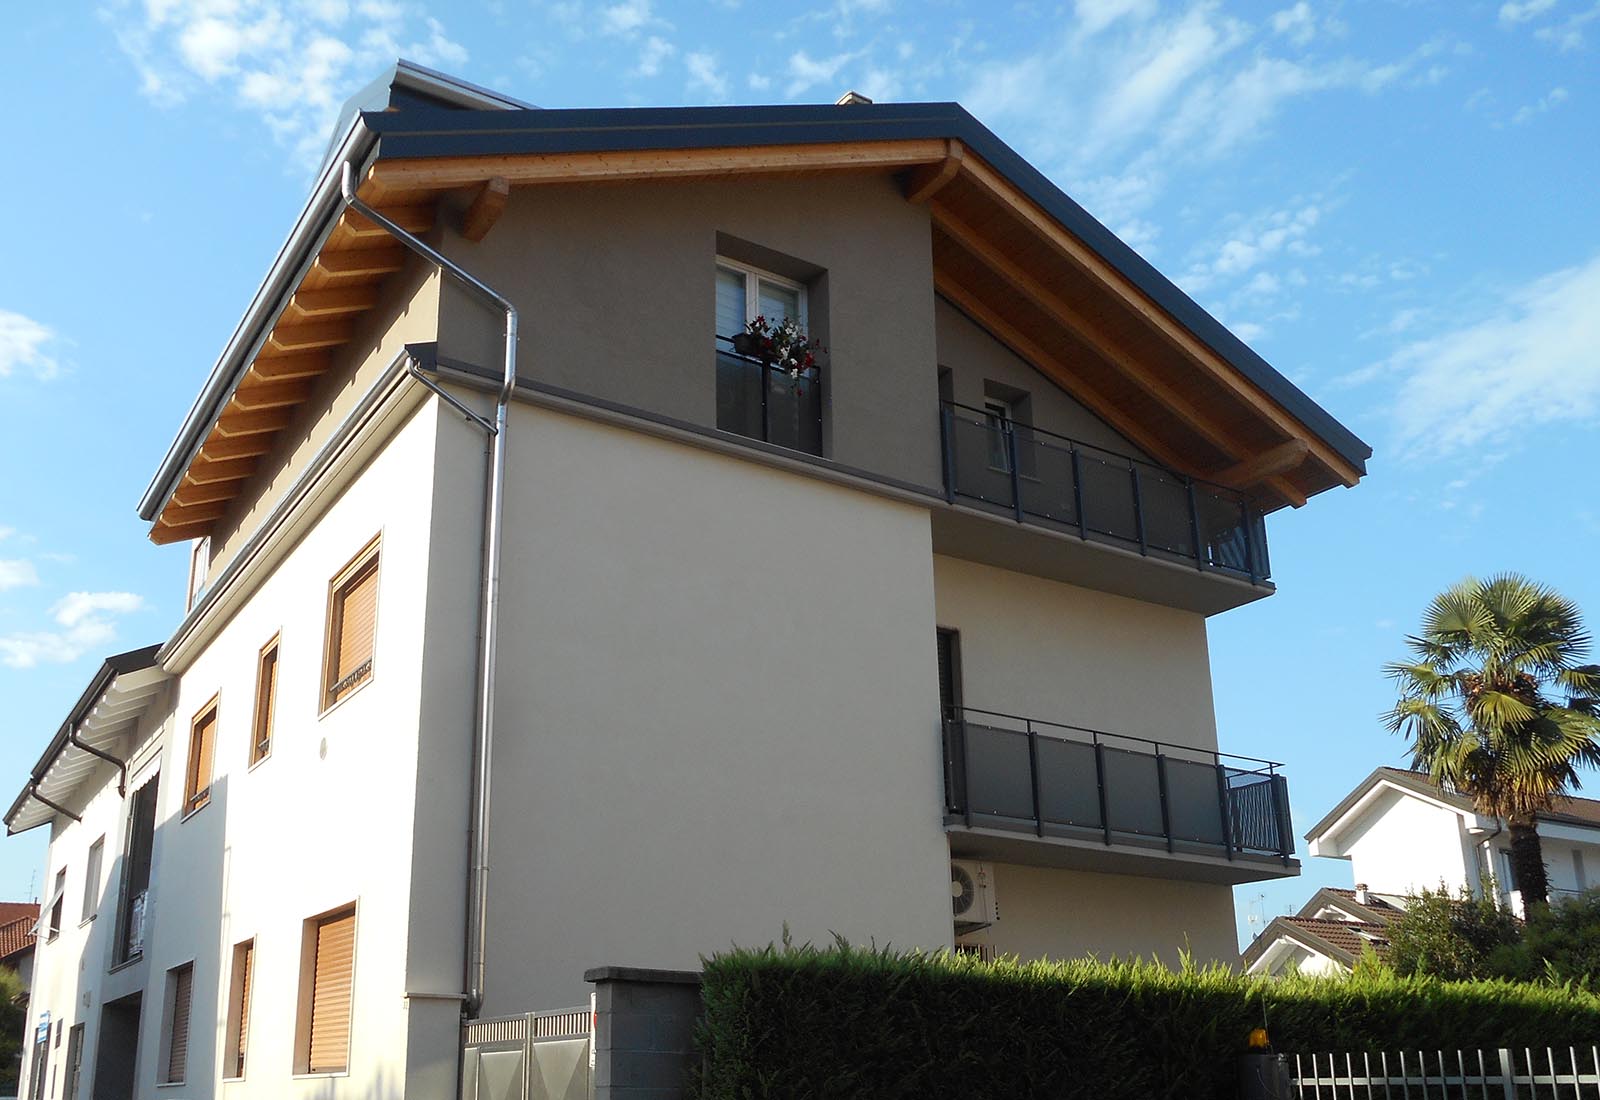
pixel 644 1032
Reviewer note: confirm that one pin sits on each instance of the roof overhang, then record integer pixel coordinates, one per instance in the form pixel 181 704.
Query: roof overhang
pixel 1327 837
pixel 110 707
pixel 1010 249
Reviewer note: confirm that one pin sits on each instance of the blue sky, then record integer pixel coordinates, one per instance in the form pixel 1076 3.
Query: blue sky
pixel 1395 202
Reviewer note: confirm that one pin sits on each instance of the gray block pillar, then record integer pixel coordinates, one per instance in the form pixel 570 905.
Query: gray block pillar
pixel 644 1032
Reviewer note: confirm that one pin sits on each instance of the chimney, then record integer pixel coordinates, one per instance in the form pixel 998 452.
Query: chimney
pixel 1361 893
pixel 850 99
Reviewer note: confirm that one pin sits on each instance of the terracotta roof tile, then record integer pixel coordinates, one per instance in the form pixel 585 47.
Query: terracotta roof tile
pixel 1345 936
pixel 16 927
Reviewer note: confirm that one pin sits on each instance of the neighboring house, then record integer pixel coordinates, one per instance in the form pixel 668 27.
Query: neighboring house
pixel 17 922
pixel 752 644
pixel 1329 934
pixel 1402 833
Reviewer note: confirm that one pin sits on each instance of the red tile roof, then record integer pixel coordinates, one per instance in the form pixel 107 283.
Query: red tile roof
pixel 17 919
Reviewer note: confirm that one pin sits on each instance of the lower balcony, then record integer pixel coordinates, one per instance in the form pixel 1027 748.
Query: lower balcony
pixel 1020 790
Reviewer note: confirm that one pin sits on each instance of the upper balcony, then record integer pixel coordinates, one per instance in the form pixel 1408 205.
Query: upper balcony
pixel 1021 790
pixel 1059 484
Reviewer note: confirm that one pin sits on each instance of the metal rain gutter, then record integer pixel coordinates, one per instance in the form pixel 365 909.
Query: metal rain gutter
pixel 493 521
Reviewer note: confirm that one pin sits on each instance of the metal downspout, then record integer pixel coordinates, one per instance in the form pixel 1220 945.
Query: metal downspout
pixel 121 765
pixel 483 746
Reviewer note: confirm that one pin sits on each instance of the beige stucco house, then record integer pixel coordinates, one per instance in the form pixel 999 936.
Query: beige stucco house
pixel 532 628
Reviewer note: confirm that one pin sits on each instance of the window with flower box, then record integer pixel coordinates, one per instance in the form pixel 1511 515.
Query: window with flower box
pixel 761 393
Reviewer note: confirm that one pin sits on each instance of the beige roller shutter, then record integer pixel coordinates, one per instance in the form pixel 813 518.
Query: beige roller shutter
pixel 202 745
pixel 178 1048
pixel 354 621
pixel 330 994
pixel 247 959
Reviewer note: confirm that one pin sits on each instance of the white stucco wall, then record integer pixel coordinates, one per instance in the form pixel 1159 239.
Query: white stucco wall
pixel 718 711
pixel 1403 844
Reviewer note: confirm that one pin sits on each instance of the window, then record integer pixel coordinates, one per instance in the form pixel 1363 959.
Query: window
pixel 74 1062
pixel 40 1067
pixel 997 418
pixel 238 1035
pixel 91 879
pixel 140 847
pixel 949 672
pixel 1580 876
pixel 352 622
pixel 327 970
pixel 202 747
pixel 57 902
pixel 266 702
pixel 199 561
pixel 756 399
pixel 180 992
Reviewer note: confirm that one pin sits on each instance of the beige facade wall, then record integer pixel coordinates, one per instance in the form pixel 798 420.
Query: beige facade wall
pixel 1048 912
pixel 617 296
pixel 1042 649
pixel 717 711
pixel 407 312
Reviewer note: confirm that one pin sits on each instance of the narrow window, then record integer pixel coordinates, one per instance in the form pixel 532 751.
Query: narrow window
pixel 180 991
pixel 58 902
pixel 1579 875
pixel 238 1034
pixel 202 746
pixel 352 622
pixel 74 1062
pixel 266 702
pixel 328 968
pixel 140 848
pixel 40 1069
pixel 949 673
pixel 199 559
pixel 997 416
pixel 91 879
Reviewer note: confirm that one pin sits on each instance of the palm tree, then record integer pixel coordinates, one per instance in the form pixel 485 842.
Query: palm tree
pixel 1479 704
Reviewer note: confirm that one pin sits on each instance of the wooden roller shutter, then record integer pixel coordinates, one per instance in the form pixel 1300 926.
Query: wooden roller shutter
pixel 178 1046
pixel 202 746
pixel 353 621
pixel 247 958
pixel 266 702
pixel 330 994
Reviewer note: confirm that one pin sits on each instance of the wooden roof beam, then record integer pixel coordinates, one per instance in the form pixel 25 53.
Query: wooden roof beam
pixel 271 395
pixel 413 219
pixel 237 422
pixel 361 262
pixel 487 206
pixel 448 173
pixel 229 469
pixel 921 184
pixel 281 368
pixel 245 446
pixel 1179 337
pixel 177 529
pixel 188 494
pixel 1025 347
pixel 308 337
pixel 334 300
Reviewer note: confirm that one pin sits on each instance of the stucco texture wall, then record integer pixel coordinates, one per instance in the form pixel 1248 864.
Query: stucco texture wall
pixel 616 288
pixel 717 712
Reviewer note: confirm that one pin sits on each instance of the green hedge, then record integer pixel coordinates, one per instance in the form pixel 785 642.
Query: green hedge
pixel 847 1022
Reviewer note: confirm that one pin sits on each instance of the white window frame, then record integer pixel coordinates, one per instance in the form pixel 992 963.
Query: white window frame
pixel 199 564
pixel 752 290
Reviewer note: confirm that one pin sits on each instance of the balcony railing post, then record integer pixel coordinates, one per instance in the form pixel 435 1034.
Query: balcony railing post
pixel 1009 429
pixel 1166 807
pixel 1138 508
pixel 1280 807
pixel 1249 541
pixel 766 415
pixel 947 441
pixel 1077 491
pixel 1225 808
pixel 1100 788
pixel 1194 526
pixel 1033 779
pixel 966 771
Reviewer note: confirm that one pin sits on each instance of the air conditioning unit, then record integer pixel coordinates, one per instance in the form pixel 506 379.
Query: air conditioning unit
pixel 972 892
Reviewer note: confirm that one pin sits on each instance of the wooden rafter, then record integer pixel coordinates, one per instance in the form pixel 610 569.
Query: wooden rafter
pixel 334 301
pixel 271 395
pixel 1090 262
pixel 361 261
pixel 311 335
pixel 189 494
pixel 924 182
pixel 487 206
pixel 229 469
pixel 280 368
pixel 413 219
pixel 239 422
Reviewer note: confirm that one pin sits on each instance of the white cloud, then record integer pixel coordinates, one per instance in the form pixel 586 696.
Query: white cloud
pixel 1554 98
pixel 1297 24
pixel 656 50
pixel 291 62
pixel 1520 11
pixel 1532 363
pixel 1567 34
pixel 87 621
pixel 24 345
pixel 17 573
pixel 1254 242
pixel 626 18
pixel 1096 15
pixel 704 73
pixel 806 71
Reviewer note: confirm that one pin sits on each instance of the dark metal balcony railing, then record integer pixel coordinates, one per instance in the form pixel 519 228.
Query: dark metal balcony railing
pixel 1049 479
pixel 761 401
pixel 1002 771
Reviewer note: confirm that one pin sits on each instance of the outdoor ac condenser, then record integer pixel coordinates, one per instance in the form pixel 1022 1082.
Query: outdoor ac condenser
pixel 972 897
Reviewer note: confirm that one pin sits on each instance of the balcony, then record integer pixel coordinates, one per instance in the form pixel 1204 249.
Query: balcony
pixel 760 401
pixel 1052 482
pixel 1022 790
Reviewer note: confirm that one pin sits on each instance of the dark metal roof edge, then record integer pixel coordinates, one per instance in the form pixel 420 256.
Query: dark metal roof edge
pixel 478 133
pixel 134 660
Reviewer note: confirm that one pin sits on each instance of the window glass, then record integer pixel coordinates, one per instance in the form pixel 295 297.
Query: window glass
pixel 91 879
pixel 730 302
pixel 777 302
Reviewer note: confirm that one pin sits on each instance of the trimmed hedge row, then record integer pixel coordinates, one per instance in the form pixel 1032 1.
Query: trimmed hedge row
pixel 847 1022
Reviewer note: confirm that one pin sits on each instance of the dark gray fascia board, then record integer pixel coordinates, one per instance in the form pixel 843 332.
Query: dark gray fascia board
pixel 424 134
pixel 132 661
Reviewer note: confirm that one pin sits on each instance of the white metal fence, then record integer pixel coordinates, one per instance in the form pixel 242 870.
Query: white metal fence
pixel 1566 1073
